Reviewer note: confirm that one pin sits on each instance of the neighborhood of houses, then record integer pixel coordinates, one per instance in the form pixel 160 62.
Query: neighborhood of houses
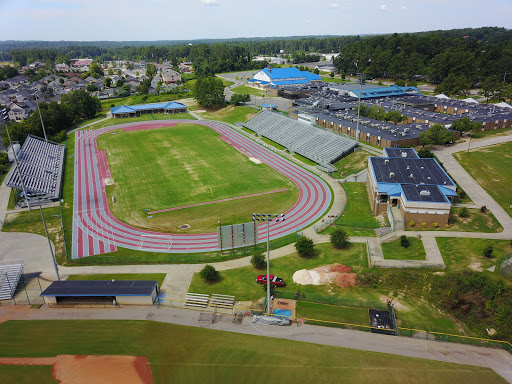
pixel 21 96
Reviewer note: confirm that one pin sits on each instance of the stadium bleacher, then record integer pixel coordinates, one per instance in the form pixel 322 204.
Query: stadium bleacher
pixel 40 164
pixel 10 274
pixel 322 147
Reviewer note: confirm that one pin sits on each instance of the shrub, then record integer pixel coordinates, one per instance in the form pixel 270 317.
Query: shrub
pixel 435 225
pixel 464 212
pixel 462 193
pixel 258 260
pixel 488 251
pixel 447 225
pixel 424 224
pixel 305 247
pixel 483 209
pixel 412 223
pixel 339 238
pixel 404 241
pixel 209 273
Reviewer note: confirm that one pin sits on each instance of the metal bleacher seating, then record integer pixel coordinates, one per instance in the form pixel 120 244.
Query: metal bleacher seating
pixel 10 274
pixel 322 147
pixel 40 164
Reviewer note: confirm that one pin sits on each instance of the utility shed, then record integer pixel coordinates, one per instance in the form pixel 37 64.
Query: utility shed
pixel 78 292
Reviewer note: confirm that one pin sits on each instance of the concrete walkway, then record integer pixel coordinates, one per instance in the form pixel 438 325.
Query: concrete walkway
pixel 498 360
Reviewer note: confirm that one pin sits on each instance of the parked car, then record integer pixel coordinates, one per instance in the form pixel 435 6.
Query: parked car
pixel 274 280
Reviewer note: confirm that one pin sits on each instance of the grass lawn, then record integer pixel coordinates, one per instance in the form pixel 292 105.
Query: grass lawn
pixel 180 354
pixel 190 165
pixel 227 83
pixel 492 132
pixel 476 222
pixel 27 374
pixel 490 167
pixel 353 163
pixel 272 143
pixel 351 231
pixel 357 212
pixel 248 130
pixel 305 160
pixel 241 282
pixel 122 276
pixel 330 79
pixel 244 89
pixel 462 254
pixel 230 114
pixel 100 116
pixel 393 250
pixel 333 313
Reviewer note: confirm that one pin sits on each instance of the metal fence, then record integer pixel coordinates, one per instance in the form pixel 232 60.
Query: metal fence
pixel 27 291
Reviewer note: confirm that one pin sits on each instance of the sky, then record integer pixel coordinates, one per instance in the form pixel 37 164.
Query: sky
pixel 143 20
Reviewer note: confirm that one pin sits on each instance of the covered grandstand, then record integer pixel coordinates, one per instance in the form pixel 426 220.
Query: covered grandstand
pixel 40 164
pixel 146 109
pixel 320 146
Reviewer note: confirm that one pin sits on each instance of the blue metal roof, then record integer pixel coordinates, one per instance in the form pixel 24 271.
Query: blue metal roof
pixel 389 188
pixel 142 107
pixel 267 105
pixel 311 76
pixel 370 93
pixel 283 73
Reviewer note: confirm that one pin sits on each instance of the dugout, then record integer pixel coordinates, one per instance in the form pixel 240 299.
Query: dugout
pixel 102 292
pixel 381 322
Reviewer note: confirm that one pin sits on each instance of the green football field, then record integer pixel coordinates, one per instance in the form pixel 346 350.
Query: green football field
pixel 179 354
pixel 184 165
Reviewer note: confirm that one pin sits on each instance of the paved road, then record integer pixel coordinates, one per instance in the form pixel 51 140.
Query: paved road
pixel 498 360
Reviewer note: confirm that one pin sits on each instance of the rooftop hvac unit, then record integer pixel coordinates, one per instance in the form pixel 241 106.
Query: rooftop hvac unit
pixel 391 174
pixel 386 161
pixel 425 193
pixel 407 129
pixel 404 154
pixel 411 175
pixel 403 133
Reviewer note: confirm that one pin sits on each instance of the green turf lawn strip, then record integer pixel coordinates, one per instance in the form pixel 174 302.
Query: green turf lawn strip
pixel 180 354
pixel 122 276
pixel 243 89
pixel 393 250
pixel 333 313
pixel 248 130
pixel 357 212
pixel 190 165
pixel 272 143
pixel 330 79
pixel 27 374
pixel 460 254
pixel 490 167
pixel 353 163
pixel 351 231
pixel 230 114
pixel 305 160
pixel 241 282
pixel 492 132
pixel 476 222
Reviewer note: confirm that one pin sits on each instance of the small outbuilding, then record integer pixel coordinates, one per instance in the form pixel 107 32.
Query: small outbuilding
pixel 103 292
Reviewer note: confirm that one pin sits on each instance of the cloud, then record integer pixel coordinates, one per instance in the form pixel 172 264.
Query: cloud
pixel 209 2
pixel 334 5
pixel 308 21
pixel 404 8
pixel 383 7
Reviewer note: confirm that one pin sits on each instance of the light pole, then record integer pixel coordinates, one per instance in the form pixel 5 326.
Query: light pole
pixel 469 142
pixel 360 76
pixel 270 88
pixel 268 217
pixel 41 117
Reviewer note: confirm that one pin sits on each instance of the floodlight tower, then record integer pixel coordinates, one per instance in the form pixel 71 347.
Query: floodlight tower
pixel 270 88
pixel 360 77
pixel 41 117
pixel 268 217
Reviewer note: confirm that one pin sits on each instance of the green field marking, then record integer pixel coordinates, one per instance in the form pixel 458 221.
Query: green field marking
pixel 122 276
pixel 393 250
pixel 272 143
pixel 27 374
pixel 190 165
pixel 241 282
pixel 350 164
pixel 180 354
pixel 305 160
pixel 357 212
pixel 476 222
pixel 230 114
pixel 490 167
pixel 460 254
pixel 244 89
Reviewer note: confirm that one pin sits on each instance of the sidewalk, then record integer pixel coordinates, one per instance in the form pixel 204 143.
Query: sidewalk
pixel 498 360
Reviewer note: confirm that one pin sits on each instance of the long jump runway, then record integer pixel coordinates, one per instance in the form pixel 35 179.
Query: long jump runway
pixel 97 231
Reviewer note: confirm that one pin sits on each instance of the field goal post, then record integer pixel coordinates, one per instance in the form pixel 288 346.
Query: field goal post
pixel 147 238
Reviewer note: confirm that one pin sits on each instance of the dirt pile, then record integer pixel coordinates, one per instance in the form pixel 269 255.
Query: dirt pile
pixel 333 273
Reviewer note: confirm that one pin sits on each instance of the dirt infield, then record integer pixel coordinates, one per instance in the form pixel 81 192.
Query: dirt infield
pixel 82 369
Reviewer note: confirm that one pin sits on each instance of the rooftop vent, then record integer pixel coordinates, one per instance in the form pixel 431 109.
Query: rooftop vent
pixel 391 174
pixel 425 193
pixel 404 154
pixel 386 161
pixel 411 175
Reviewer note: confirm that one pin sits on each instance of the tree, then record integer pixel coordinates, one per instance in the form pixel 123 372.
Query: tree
pixel 404 241
pixel 489 87
pixel 437 134
pixel 238 98
pixel 331 74
pixel 209 92
pixel 464 212
pixel 454 85
pixel 305 247
pixel 426 152
pixel 316 71
pixel 144 87
pixel 339 238
pixel 412 83
pixel 61 80
pixel 91 87
pixel 395 116
pixel 400 82
pixel 81 104
pixel 464 124
pixel 209 273
pixel 488 251
pixel 258 260
pixel 107 82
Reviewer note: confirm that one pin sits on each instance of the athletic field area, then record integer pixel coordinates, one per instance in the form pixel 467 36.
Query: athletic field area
pixel 179 354
pixel 96 230
pixel 185 165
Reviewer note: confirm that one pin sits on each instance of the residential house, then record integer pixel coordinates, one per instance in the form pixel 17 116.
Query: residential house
pixel 20 110
pixel 170 76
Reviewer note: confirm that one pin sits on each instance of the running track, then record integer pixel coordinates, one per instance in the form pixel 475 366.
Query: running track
pixel 97 231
